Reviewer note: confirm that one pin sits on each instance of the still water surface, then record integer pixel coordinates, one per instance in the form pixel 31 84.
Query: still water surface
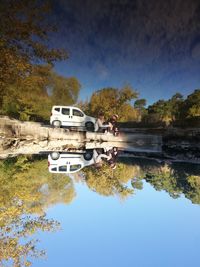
pixel 142 213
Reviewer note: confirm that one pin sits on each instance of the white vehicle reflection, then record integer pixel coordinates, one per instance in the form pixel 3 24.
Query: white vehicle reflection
pixel 67 162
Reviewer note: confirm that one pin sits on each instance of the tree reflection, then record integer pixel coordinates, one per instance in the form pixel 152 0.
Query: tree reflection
pixel 107 181
pixel 26 190
pixel 175 178
pixel 164 179
pixel 16 245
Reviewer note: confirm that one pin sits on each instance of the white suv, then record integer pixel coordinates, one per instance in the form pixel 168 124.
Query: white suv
pixel 67 162
pixel 70 116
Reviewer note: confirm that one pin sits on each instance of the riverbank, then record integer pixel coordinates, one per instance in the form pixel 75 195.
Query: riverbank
pixel 18 137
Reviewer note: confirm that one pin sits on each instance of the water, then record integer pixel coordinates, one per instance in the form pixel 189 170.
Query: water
pixel 139 212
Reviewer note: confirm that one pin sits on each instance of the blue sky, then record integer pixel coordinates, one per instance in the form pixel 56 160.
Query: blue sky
pixel 148 229
pixel 152 45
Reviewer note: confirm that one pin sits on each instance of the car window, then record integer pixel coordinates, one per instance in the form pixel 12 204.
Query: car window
pixel 54 169
pixel 63 168
pixel 78 113
pixel 75 167
pixel 57 109
pixel 65 111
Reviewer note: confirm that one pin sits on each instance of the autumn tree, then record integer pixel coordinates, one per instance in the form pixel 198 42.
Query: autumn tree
pixel 109 182
pixel 33 97
pixel 27 189
pixel 23 39
pixel 26 75
pixel 64 90
pixel 113 101
pixel 23 178
pixel 191 106
pixel 17 243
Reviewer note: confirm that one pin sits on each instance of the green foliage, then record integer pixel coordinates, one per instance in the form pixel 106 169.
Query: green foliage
pixel 137 183
pixel 162 109
pixel 65 90
pixel 175 182
pixel 22 180
pixel 33 97
pixel 23 40
pixel 140 103
pixel 163 112
pixel 24 84
pixel 113 101
pixel 191 106
pixel 193 191
pixel 175 109
pixel 166 111
pixel 109 182
pixel 16 243
pixel 164 180
pixel 177 179
pixel 27 189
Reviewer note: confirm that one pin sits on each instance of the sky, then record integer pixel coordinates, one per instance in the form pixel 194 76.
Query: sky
pixel 154 46
pixel 150 229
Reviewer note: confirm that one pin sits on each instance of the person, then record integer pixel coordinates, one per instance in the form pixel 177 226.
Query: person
pixel 97 157
pixel 113 122
pixel 113 153
pixel 100 124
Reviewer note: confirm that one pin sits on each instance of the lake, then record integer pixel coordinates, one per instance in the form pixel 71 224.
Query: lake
pixel 139 212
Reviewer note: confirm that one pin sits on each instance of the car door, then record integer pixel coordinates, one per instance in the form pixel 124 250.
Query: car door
pixel 78 117
pixel 66 115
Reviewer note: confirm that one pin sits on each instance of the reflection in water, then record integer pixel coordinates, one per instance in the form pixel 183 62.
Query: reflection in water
pixel 16 243
pixel 71 162
pixel 107 178
pixel 27 189
pixel 174 178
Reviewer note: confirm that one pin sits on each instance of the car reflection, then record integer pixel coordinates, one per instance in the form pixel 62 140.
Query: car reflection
pixel 71 162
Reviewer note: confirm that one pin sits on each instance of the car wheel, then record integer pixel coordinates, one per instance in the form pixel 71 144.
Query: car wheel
pixel 55 155
pixel 89 126
pixel 88 155
pixel 56 124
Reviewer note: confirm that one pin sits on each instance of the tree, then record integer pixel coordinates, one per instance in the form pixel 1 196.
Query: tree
pixel 164 181
pixel 108 182
pixel 65 90
pixel 17 245
pixel 28 98
pixel 193 188
pixel 175 104
pixel 191 106
pixel 27 189
pixel 24 40
pixel 18 186
pixel 166 111
pixel 140 103
pixel 112 101
pixel 33 97
pixel 161 111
